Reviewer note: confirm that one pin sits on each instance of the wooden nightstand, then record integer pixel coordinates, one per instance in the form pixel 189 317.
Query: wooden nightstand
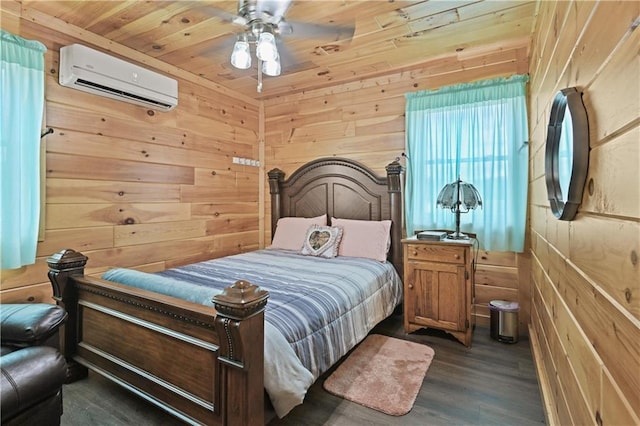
pixel 438 286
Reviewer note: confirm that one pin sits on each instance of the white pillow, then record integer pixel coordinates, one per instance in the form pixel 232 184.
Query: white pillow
pixel 364 238
pixel 322 241
pixel 291 231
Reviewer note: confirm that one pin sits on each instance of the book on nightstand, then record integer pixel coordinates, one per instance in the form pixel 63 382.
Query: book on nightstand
pixel 431 235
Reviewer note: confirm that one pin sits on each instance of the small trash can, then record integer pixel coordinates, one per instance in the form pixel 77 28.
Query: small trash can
pixel 504 320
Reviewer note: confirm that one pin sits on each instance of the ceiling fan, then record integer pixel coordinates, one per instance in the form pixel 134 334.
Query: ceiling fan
pixel 264 25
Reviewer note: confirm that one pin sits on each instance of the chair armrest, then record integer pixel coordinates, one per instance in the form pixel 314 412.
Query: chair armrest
pixel 30 375
pixel 29 324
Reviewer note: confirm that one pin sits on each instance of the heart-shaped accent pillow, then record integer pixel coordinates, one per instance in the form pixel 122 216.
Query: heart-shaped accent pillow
pixel 322 241
pixel 318 239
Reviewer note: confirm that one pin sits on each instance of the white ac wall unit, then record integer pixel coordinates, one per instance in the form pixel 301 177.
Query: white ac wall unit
pixel 95 72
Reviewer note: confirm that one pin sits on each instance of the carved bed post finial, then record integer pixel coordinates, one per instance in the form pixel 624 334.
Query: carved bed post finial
pixel 276 177
pixel 394 184
pixel 394 172
pixel 62 266
pixel 240 327
pixel 241 301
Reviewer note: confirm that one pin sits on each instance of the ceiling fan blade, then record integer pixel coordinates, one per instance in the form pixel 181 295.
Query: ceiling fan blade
pixel 220 45
pixel 286 56
pixel 224 15
pixel 319 31
pixel 290 62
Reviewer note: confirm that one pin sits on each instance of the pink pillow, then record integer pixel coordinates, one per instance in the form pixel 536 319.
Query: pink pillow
pixel 364 238
pixel 291 231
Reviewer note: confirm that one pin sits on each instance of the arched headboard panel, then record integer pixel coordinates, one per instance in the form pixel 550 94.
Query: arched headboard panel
pixel 341 188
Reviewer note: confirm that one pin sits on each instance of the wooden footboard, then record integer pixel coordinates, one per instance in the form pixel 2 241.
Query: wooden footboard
pixel 202 365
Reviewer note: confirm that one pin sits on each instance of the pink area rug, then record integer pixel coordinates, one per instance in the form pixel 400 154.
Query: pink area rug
pixel 383 373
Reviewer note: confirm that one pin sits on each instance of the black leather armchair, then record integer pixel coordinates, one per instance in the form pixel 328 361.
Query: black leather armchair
pixel 33 371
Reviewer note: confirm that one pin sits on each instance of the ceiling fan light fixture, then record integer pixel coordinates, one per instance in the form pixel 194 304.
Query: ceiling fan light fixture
pixel 241 55
pixel 272 68
pixel 266 49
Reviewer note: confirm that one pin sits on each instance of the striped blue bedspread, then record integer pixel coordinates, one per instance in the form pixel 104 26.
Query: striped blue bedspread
pixel 323 307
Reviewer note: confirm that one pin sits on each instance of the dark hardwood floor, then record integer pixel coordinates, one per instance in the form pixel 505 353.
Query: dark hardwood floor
pixel 490 384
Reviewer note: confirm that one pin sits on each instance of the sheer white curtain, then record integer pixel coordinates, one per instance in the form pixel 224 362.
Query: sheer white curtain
pixel 22 106
pixel 477 131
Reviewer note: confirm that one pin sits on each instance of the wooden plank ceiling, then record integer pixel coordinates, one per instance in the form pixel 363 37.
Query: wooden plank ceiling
pixel 388 36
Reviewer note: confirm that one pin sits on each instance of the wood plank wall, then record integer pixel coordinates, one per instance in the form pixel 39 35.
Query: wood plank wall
pixel 134 189
pixel 585 274
pixel 364 121
pixel 137 188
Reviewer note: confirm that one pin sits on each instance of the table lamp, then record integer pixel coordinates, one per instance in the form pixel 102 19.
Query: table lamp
pixel 456 196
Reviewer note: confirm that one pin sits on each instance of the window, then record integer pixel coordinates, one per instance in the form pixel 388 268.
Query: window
pixel 478 132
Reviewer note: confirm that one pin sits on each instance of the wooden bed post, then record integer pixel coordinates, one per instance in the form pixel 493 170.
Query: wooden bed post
pixel 394 184
pixel 276 176
pixel 62 266
pixel 240 326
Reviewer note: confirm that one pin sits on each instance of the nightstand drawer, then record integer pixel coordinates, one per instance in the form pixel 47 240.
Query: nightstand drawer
pixel 436 253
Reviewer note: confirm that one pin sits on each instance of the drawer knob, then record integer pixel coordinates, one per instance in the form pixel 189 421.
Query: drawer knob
pixel 415 253
pixel 457 256
pixel 410 286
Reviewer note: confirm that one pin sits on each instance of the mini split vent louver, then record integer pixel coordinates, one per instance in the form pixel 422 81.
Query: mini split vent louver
pixel 95 72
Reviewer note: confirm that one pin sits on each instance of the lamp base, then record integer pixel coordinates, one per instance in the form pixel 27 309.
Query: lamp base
pixel 457 236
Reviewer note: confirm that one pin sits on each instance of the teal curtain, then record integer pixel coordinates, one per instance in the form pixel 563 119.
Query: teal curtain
pixel 478 132
pixel 22 94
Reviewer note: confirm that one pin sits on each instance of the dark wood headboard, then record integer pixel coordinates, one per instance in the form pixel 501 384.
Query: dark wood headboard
pixel 343 189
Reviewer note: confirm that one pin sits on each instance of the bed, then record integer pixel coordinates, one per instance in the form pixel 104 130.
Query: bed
pixel 205 362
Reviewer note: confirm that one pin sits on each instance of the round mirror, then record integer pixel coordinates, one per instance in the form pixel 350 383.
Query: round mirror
pixel 566 153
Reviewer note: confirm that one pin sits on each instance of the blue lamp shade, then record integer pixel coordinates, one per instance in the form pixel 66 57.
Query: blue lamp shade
pixel 459 197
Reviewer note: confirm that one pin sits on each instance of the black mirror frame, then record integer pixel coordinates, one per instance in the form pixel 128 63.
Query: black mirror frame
pixel 566 209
